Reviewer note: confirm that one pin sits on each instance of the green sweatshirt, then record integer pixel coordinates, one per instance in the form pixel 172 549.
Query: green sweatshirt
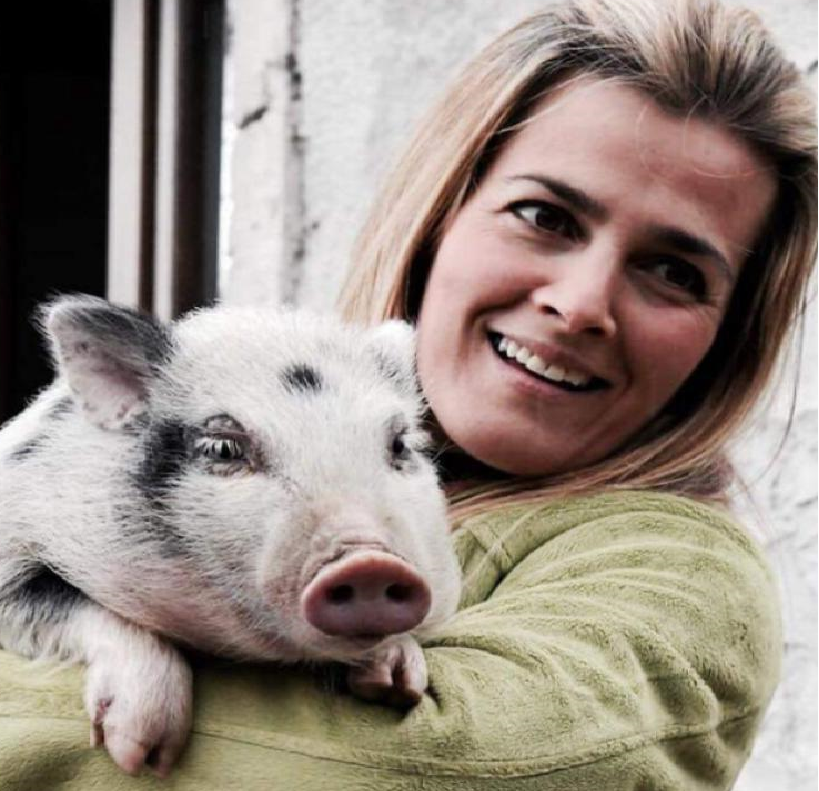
pixel 624 641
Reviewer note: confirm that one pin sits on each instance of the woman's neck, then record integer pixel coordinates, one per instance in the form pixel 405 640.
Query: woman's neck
pixel 456 469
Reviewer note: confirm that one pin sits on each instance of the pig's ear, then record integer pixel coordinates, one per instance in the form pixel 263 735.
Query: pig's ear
pixel 393 343
pixel 108 355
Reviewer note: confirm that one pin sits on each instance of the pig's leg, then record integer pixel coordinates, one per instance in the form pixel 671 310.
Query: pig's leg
pixel 138 687
pixel 395 674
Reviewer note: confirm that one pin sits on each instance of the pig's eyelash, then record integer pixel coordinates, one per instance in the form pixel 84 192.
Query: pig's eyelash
pixel 220 449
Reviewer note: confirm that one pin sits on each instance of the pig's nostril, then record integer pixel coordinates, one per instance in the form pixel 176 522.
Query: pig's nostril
pixel 341 594
pixel 398 593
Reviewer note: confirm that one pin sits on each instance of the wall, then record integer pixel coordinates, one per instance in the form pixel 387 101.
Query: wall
pixel 323 94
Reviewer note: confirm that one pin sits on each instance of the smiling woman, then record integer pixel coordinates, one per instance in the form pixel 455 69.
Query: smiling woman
pixel 627 190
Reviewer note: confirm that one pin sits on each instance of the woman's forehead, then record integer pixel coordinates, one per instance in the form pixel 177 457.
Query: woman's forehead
pixel 612 112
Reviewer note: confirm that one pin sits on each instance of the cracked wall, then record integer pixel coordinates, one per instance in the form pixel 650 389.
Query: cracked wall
pixel 324 94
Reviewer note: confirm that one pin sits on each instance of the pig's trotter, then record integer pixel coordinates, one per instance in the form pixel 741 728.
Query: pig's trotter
pixel 138 687
pixel 138 695
pixel 396 674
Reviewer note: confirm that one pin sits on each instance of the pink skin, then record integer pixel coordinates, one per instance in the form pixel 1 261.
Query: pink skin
pixel 366 594
pixel 604 289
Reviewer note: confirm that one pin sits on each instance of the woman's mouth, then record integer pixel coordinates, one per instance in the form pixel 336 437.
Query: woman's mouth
pixel 530 363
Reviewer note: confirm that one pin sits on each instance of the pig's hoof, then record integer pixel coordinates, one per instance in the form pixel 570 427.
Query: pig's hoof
pixel 395 674
pixel 139 699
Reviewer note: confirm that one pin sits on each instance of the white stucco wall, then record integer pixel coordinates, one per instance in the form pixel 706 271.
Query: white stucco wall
pixel 323 94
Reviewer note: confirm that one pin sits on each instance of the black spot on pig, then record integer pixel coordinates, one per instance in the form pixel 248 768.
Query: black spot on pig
pixel 61 408
pixel 302 378
pixel 46 598
pixel 165 456
pixel 26 449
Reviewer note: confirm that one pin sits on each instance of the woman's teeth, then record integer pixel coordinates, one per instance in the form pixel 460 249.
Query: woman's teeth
pixel 535 364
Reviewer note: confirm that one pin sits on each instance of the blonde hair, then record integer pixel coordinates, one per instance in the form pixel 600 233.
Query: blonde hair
pixel 692 57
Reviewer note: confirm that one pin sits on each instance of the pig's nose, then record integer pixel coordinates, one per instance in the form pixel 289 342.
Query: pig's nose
pixel 366 594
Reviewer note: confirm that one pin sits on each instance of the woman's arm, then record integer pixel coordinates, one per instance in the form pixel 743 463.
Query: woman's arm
pixel 626 641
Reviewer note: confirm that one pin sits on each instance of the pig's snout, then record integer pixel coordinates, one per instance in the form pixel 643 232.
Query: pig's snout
pixel 366 594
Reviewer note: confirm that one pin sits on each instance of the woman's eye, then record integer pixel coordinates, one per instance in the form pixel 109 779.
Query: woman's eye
pixel 220 448
pixel 681 275
pixel 547 217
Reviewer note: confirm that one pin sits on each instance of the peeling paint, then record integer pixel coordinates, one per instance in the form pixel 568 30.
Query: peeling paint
pixel 253 116
pixel 292 274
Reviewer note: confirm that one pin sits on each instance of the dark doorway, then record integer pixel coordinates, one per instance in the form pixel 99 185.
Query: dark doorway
pixel 54 119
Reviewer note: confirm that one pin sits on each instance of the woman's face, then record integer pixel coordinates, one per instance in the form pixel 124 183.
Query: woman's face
pixel 585 278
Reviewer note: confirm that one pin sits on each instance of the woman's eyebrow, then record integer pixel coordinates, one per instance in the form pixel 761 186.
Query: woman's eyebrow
pixel 677 238
pixel 576 198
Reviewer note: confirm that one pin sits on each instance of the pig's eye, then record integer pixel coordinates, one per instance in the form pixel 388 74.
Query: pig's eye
pixel 220 448
pixel 399 449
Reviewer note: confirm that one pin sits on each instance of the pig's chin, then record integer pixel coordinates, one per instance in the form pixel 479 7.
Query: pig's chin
pixel 290 639
pixel 311 646
pixel 326 648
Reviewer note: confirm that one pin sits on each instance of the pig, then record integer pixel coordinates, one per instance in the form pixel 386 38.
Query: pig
pixel 254 484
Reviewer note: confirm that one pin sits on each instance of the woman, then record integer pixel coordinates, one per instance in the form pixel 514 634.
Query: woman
pixel 603 233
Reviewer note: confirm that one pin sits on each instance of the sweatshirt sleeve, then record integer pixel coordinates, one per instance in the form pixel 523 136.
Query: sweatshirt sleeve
pixel 623 642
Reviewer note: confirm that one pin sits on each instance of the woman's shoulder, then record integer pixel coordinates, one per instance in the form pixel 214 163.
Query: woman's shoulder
pixel 642 514
pixel 636 530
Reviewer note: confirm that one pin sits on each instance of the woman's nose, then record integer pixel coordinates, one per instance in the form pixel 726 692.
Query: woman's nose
pixel 580 297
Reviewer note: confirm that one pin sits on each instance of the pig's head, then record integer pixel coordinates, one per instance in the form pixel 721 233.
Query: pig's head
pixel 278 456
